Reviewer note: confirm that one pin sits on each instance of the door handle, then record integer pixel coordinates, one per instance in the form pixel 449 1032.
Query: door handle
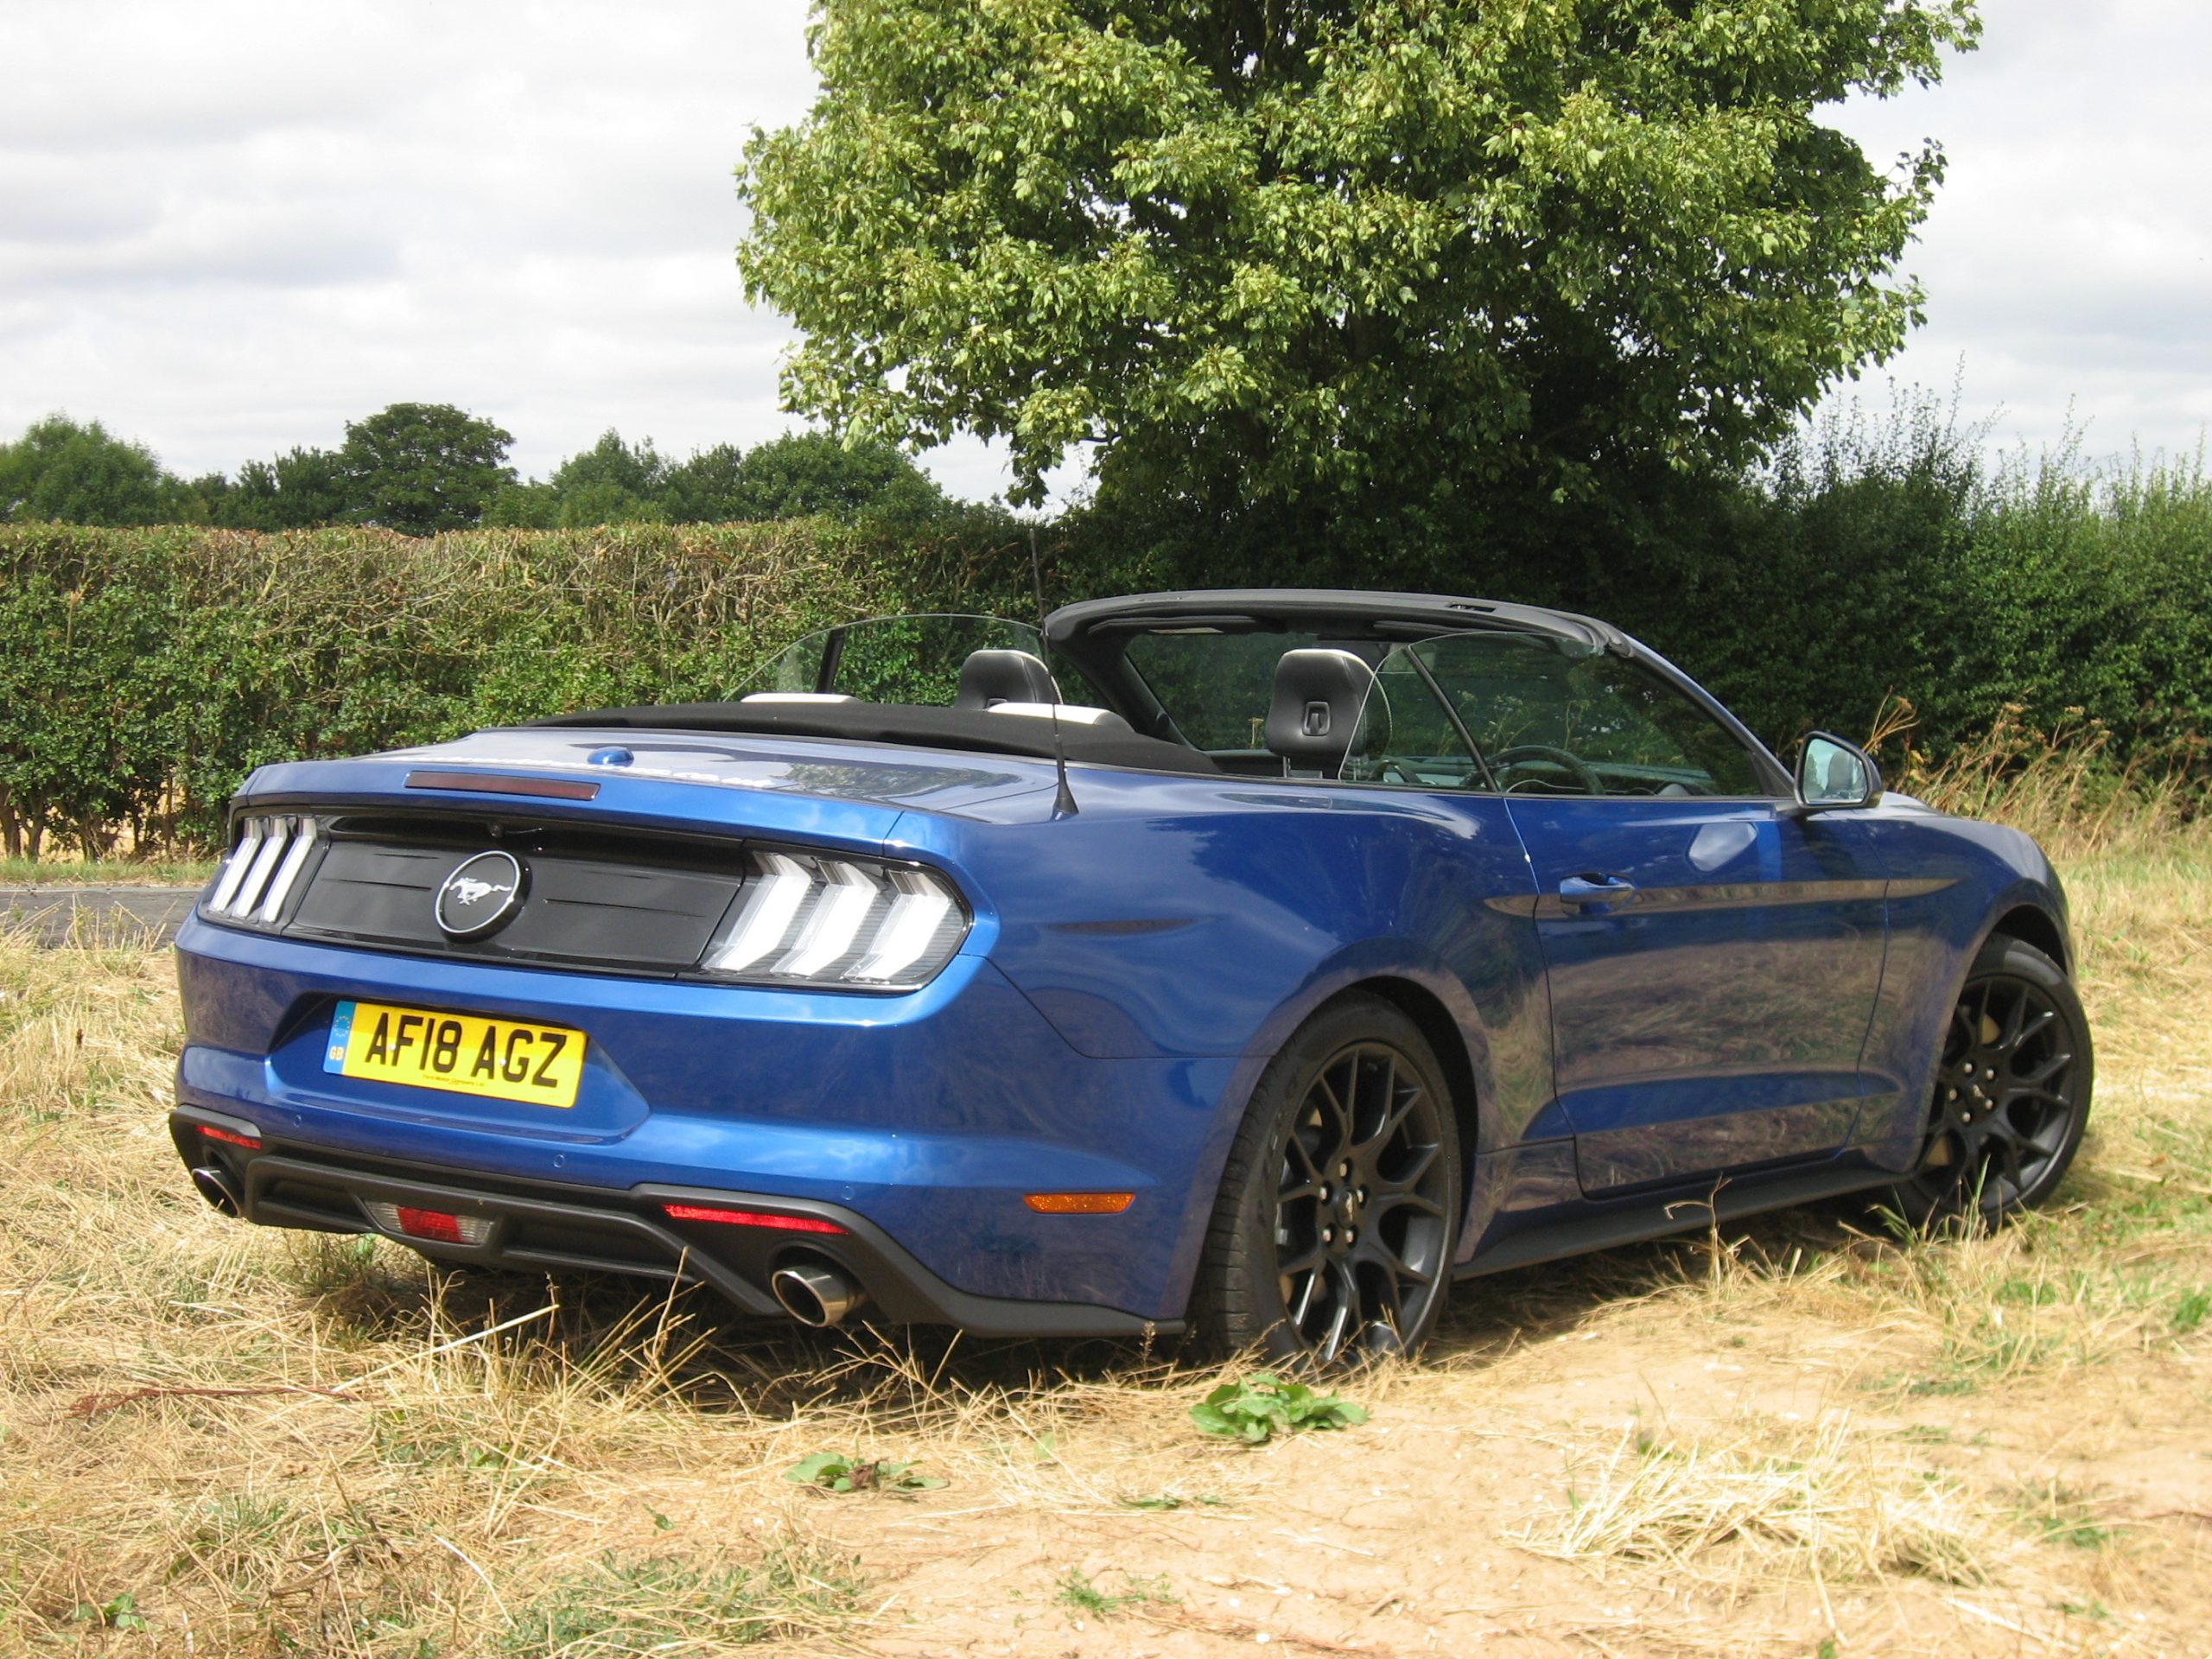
pixel 1596 892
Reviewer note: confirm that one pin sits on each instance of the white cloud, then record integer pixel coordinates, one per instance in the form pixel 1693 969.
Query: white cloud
pixel 225 229
pixel 2068 259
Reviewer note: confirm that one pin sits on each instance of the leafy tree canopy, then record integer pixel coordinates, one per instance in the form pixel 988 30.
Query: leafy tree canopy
pixel 421 468
pixel 704 490
pixel 803 473
pixel 611 483
pixel 82 475
pixel 799 475
pixel 1341 250
pixel 299 489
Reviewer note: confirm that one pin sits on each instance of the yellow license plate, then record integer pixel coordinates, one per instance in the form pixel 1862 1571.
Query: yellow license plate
pixel 462 1053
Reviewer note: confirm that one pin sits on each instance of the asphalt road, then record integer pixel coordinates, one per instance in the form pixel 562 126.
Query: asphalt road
pixel 56 916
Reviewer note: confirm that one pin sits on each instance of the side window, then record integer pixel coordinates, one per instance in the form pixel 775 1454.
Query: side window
pixel 1405 737
pixel 1215 687
pixel 1550 721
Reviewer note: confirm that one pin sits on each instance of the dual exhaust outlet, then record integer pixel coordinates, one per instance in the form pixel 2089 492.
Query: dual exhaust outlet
pixel 812 1289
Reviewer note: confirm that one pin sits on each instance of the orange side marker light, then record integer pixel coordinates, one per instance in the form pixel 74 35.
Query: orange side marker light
pixel 1078 1204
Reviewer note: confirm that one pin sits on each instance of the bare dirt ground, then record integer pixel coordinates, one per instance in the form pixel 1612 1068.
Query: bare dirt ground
pixel 1798 1437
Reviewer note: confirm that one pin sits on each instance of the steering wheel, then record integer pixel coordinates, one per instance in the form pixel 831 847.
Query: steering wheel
pixel 1591 784
pixel 1391 769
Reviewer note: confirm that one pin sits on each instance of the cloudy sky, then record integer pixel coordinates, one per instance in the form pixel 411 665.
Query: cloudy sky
pixel 226 228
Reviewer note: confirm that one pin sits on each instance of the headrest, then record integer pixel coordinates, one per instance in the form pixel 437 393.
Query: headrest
pixel 1318 700
pixel 995 676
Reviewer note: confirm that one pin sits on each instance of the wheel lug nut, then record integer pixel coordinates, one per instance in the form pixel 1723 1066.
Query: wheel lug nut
pixel 1328 1235
pixel 1344 1171
pixel 1325 1195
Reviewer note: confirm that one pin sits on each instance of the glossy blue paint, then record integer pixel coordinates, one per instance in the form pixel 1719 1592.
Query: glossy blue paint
pixel 1714 1018
pixel 1769 998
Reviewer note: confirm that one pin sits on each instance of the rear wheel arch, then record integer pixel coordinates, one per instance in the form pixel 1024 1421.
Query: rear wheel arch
pixel 1257 1284
pixel 1447 1043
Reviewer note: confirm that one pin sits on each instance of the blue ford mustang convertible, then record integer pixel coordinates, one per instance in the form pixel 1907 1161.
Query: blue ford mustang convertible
pixel 1253 963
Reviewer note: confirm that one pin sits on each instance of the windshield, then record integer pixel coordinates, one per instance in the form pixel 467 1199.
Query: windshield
pixel 915 660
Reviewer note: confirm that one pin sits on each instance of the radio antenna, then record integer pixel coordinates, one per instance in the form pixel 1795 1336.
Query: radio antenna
pixel 1063 797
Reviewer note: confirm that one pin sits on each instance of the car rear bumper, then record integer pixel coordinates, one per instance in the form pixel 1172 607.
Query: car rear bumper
pixel 548 1227
pixel 926 1119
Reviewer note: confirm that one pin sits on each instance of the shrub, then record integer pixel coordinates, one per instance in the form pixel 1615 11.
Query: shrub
pixel 144 673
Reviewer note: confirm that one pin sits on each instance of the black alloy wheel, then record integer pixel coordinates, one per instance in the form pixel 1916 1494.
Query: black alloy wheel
pixel 2012 1092
pixel 1332 1237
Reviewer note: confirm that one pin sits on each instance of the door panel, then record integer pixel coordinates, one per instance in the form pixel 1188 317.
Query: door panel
pixel 1714 1017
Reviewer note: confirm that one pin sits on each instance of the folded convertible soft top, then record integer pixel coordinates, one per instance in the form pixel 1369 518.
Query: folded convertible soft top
pixel 970 730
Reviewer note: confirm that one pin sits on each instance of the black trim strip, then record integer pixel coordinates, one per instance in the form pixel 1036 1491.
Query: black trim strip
pixel 1647 1216
pixel 489 782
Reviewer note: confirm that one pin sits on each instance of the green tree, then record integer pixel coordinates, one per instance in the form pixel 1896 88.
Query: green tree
pixel 705 489
pixel 526 505
pixel 802 473
pixel 298 490
pixel 420 469
pixel 610 483
pixel 1448 257
pixel 74 474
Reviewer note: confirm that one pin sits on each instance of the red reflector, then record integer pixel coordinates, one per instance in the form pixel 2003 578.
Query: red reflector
pixel 430 1223
pixel 750 1218
pixel 230 1140
pixel 1079 1204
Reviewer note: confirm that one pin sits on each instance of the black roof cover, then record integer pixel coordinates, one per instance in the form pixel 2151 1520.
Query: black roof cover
pixel 1337 613
pixel 973 730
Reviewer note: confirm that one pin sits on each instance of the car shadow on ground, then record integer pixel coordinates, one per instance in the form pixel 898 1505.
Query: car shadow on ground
pixel 688 1342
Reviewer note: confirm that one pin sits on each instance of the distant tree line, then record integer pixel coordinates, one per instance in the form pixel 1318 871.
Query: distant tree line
pixel 423 468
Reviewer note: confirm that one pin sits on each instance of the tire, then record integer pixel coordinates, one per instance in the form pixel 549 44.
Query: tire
pixel 2013 1089
pixel 1304 1262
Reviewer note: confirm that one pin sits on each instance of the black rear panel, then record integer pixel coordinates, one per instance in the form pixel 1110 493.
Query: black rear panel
pixel 631 903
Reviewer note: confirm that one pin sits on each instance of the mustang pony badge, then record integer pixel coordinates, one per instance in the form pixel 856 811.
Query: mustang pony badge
pixel 480 894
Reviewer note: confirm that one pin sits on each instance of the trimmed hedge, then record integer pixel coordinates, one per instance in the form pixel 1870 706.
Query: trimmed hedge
pixel 143 673
pixel 1895 565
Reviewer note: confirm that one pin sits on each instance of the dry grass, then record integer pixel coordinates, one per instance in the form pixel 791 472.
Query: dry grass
pixel 2062 787
pixel 233 1442
pixel 1798 1502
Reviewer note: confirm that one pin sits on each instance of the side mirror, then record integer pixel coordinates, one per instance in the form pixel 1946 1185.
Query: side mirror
pixel 1832 773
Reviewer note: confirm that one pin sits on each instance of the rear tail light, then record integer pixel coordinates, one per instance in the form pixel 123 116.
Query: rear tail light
pixel 436 1225
pixel 262 868
pixel 806 918
pixel 749 1218
pixel 229 1139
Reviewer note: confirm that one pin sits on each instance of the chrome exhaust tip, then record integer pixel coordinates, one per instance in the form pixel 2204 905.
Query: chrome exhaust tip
pixel 815 1293
pixel 218 1188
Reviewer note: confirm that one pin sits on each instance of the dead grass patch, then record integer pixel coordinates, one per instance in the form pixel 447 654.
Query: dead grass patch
pixel 1825 1504
pixel 281 1445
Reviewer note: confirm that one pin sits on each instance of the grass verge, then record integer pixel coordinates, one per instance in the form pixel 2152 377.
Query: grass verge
pixel 273 1444
pixel 128 873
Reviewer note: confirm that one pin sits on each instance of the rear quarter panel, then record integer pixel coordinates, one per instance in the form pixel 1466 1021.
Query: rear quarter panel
pixel 1174 918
